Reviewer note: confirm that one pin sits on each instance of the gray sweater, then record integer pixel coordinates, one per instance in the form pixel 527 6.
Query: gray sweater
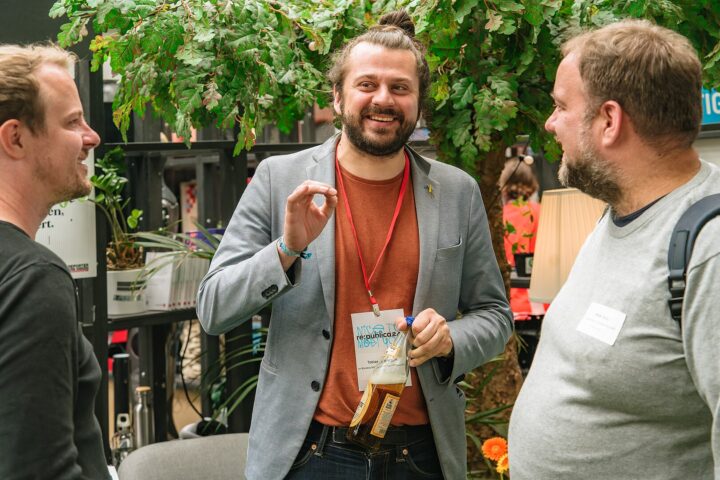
pixel 647 406
pixel 49 375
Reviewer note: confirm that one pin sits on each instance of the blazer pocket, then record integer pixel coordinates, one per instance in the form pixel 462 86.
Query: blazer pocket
pixel 448 253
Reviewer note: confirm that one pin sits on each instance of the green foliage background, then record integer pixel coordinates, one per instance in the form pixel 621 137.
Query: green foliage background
pixel 253 62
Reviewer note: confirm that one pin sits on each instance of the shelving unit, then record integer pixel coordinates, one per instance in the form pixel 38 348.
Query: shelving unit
pixel 221 179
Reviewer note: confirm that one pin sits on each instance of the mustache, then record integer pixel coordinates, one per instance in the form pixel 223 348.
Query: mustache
pixel 371 110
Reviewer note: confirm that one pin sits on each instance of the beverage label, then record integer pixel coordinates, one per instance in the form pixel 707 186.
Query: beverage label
pixel 362 406
pixel 382 422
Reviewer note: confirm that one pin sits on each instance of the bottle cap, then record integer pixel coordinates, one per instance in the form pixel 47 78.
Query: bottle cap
pixel 409 321
pixel 142 389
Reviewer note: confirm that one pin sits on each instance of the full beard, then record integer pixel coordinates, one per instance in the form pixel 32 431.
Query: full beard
pixel 590 173
pixel 352 126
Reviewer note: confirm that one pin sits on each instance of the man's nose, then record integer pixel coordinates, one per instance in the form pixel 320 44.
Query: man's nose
pixel 550 123
pixel 91 139
pixel 383 96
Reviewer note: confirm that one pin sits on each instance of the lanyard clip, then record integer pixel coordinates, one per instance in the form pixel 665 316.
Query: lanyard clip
pixel 375 306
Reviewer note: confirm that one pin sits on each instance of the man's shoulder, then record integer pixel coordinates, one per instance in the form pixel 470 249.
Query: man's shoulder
pixel 18 253
pixel 711 184
pixel 706 245
pixel 301 156
pixel 443 171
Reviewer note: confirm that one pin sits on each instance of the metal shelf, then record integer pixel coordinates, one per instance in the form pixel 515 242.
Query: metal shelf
pixel 150 318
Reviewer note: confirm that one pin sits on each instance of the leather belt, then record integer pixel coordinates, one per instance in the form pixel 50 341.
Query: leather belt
pixel 395 436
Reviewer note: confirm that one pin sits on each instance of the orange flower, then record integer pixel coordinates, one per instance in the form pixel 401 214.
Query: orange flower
pixel 494 448
pixel 502 464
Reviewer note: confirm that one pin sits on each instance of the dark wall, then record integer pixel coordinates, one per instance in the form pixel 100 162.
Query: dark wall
pixel 27 21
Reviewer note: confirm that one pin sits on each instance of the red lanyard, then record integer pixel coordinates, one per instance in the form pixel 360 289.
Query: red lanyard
pixel 403 188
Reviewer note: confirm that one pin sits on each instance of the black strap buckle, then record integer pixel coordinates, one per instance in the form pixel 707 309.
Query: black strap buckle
pixel 676 285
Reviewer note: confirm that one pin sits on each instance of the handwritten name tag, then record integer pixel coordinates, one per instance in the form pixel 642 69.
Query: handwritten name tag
pixel 602 323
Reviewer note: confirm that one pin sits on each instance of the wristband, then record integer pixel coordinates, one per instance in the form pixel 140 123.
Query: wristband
pixel 293 253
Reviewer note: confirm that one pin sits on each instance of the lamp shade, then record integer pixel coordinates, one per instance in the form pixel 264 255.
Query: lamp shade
pixel 567 216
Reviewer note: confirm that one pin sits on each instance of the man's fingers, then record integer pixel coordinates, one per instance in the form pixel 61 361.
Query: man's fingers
pixel 331 201
pixel 431 337
pixel 424 335
pixel 401 324
pixel 301 199
pixel 428 350
pixel 309 189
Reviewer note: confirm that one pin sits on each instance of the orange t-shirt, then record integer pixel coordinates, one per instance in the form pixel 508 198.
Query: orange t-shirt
pixel 372 204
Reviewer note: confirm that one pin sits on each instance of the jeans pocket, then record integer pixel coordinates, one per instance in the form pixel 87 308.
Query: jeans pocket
pixel 303 457
pixel 422 460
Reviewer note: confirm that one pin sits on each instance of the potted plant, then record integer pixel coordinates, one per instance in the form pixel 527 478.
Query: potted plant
pixel 124 256
pixel 174 265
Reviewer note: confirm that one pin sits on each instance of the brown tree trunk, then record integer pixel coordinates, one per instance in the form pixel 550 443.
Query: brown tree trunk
pixel 506 380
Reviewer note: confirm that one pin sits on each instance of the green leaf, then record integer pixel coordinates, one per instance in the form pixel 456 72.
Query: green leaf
pixel 533 14
pixel 469 153
pixel 462 93
pixel 190 56
pixel 463 8
pixel 204 35
pixel 712 58
pixel 58 9
pixel 509 6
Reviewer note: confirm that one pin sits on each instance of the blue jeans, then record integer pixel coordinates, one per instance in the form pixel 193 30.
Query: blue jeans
pixel 409 454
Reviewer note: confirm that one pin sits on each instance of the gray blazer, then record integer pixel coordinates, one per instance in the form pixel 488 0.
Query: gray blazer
pixel 457 273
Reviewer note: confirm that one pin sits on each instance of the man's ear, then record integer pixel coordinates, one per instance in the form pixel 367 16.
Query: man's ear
pixel 12 136
pixel 337 100
pixel 613 118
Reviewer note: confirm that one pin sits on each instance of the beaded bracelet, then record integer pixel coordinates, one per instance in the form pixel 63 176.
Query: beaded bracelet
pixel 293 253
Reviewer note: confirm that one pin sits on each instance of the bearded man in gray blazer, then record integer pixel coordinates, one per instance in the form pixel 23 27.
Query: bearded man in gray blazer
pixel 409 236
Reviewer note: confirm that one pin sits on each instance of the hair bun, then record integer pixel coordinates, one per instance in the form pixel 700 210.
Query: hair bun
pixel 401 20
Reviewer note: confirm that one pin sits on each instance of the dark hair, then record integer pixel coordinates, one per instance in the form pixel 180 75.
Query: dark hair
pixel 394 30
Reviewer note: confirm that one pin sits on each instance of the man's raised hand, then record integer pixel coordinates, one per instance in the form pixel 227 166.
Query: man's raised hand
pixel 304 220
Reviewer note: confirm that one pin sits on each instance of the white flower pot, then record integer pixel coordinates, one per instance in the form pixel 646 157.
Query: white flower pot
pixel 125 292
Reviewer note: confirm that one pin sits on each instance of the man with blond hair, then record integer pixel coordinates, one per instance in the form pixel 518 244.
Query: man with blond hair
pixel 618 389
pixel 48 373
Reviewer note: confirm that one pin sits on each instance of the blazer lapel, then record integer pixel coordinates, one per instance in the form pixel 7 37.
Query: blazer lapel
pixel 322 169
pixel 427 201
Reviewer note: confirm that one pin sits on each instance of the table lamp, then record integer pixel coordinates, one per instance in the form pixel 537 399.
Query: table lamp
pixel 567 216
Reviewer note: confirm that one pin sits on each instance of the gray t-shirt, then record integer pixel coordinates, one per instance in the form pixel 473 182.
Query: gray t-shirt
pixel 645 407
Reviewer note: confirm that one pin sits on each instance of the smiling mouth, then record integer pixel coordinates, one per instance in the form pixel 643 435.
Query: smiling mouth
pixel 382 118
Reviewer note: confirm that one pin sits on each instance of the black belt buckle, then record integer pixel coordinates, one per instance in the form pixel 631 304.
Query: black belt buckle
pixel 339 435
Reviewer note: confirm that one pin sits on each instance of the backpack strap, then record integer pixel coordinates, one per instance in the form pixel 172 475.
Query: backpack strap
pixel 681 247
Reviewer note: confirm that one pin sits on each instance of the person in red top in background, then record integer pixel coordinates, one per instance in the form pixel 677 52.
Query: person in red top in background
pixel 520 216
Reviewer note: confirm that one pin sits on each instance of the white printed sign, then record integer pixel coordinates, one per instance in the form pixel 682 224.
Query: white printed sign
pixel 373 335
pixel 69 231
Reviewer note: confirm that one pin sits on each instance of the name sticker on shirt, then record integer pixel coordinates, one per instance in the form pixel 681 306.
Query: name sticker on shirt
pixel 602 323
pixel 372 335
